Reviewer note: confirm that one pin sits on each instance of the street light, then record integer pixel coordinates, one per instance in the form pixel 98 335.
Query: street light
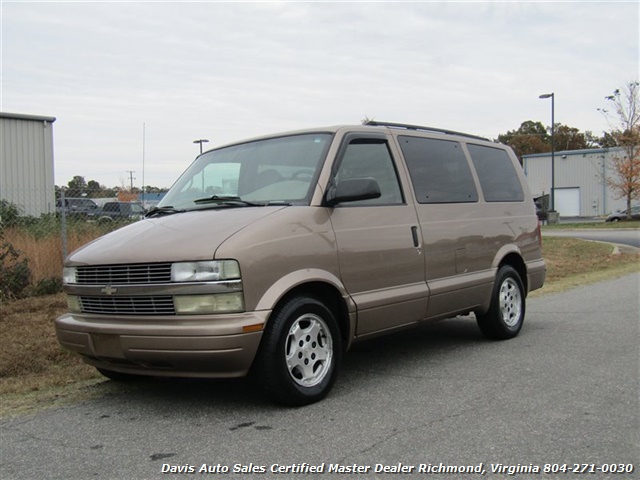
pixel 553 152
pixel 201 141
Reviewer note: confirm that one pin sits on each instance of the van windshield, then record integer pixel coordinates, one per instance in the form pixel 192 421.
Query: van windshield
pixel 281 170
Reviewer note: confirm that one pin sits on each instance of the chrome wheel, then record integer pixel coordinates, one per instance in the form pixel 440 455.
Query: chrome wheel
pixel 300 352
pixel 308 350
pixel 505 316
pixel 510 302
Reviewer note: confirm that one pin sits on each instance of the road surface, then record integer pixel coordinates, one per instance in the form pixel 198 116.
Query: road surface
pixel 628 237
pixel 564 392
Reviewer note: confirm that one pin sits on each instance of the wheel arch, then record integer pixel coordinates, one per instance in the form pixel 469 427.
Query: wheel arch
pixel 515 260
pixel 320 285
pixel 331 298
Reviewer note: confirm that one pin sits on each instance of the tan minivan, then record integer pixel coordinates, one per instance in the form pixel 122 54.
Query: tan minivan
pixel 274 255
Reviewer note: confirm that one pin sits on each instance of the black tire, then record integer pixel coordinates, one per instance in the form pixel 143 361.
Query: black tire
pixel 505 316
pixel 300 353
pixel 119 376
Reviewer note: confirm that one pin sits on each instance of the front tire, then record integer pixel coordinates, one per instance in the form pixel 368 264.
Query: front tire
pixel 505 316
pixel 300 353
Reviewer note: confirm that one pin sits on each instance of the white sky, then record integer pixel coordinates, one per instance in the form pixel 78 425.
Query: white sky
pixel 225 71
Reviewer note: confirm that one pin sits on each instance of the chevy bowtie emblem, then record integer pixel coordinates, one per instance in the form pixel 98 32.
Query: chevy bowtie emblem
pixel 109 290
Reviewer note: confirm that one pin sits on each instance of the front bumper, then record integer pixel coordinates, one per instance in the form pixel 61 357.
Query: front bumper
pixel 178 346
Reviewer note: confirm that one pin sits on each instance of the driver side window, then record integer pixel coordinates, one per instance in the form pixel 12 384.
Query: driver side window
pixel 365 158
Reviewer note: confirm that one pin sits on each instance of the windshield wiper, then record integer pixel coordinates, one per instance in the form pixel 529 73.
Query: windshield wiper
pixel 227 200
pixel 167 210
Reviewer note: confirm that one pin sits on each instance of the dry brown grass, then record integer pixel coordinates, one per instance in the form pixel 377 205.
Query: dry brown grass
pixel 36 372
pixel 31 356
pixel 568 257
pixel 572 262
pixel 44 252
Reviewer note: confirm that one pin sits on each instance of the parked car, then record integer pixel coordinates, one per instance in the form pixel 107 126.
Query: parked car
pixel 542 214
pixel 77 207
pixel 621 216
pixel 121 210
pixel 277 254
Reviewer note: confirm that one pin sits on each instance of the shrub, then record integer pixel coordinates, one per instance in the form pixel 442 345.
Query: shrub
pixel 47 286
pixel 15 275
pixel 9 214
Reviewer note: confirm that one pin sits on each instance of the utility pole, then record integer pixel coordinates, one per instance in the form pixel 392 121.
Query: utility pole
pixel 131 177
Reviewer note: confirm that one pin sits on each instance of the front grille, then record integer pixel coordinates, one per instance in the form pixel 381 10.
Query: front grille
pixel 138 305
pixel 124 274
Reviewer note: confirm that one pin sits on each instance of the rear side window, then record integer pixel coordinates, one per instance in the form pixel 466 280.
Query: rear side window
pixel 136 208
pixel 498 178
pixel 439 170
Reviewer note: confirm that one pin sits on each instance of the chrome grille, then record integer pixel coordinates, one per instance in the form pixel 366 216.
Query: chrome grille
pixel 138 305
pixel 124 274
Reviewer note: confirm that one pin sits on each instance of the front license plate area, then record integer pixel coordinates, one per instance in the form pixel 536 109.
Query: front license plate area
pixel 106 345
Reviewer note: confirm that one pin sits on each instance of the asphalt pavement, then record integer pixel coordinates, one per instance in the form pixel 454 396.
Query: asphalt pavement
pixel 562 397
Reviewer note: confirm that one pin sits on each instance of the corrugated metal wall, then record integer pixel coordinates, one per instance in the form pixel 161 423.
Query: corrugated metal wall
pixel 582 169
pixel 26 163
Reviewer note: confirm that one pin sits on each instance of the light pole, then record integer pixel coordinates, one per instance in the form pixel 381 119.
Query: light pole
pixel 553 151
pixel 201 141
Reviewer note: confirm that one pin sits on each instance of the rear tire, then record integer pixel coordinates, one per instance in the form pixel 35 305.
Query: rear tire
pixel 505 316
pixel 300 353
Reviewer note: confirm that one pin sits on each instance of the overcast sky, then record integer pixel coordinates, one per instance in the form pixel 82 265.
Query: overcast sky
pixel 225 71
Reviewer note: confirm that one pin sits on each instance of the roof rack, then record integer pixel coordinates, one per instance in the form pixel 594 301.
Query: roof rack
pixel 375 123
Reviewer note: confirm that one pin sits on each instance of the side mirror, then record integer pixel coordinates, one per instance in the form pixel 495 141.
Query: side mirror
pixel 352 190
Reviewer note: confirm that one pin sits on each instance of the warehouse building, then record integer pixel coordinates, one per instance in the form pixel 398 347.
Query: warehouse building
pixel 26 162
pixel 581 189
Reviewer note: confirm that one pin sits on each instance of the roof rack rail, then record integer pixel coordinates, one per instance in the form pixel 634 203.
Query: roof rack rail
pixel 375 123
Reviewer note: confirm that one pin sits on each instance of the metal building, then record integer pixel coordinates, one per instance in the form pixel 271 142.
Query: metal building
pixel 26 162
pixel 580 186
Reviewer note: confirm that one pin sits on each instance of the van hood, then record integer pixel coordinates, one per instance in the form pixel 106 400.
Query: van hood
pixel 187 236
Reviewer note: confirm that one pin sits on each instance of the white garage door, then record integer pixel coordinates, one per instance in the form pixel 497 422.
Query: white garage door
pixel 567 201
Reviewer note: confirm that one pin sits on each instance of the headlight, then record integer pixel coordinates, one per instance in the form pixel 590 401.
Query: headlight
pixel 69 275
pixel 206 304
pixel 207 271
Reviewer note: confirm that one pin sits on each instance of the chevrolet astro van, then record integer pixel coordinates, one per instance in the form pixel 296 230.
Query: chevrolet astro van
pixel 274 255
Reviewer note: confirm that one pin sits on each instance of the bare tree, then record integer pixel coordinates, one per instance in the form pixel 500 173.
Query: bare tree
pixel 624 121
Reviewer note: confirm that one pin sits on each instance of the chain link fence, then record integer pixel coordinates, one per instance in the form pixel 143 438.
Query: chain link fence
pixel 33 247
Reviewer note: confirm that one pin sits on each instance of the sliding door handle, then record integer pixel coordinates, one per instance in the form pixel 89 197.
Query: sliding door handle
pixel 414 234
